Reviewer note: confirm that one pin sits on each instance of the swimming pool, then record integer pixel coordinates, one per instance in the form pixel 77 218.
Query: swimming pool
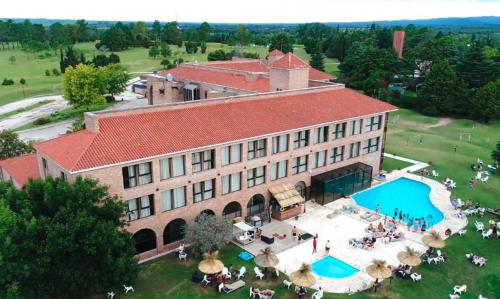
pixel 409 196
pixel 333 268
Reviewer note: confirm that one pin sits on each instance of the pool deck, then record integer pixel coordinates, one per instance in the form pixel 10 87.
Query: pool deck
pixel 342 227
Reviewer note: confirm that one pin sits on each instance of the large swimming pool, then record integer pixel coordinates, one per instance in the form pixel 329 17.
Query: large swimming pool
pixel 412 197
pixel 333 268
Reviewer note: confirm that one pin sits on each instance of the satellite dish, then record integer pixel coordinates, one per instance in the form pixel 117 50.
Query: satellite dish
pixel 169 77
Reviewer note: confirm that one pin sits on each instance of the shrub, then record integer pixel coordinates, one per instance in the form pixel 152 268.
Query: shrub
pixel 207 233
pixel 7 81
pixel 41 121
pixel 47 73
pixel 55 72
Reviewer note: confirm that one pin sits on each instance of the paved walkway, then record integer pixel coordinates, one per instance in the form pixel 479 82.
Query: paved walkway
pixel 417 165
pixel 343 227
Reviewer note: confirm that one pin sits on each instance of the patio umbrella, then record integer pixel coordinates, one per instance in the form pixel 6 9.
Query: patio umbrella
pixel 211 263
pixel 267 258
pixel 409 257
pixel 379 270
pixel 433 239
pixel 303 277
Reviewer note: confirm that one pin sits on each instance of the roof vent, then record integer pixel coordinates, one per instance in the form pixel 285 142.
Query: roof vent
pixel 169 77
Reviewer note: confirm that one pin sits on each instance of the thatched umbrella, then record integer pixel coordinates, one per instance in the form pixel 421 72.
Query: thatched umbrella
pixel 409 257
pixel 378 270
pixel 211 263
pixel 267 258
pixel 303 277
pixel 434 240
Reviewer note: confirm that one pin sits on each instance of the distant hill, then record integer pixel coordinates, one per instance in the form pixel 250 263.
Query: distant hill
pixel 456 23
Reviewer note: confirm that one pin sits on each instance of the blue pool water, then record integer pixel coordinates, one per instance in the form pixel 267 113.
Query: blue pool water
pixel 333 268
pixel 412 197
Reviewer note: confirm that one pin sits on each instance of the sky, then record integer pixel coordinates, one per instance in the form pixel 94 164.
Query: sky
pixel 249 11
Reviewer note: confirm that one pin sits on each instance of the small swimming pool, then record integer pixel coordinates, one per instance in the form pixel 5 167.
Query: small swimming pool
pixel 409 196
pixel 333 268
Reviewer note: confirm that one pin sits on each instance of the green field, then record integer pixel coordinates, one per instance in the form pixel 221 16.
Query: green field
pixel 166 277
pixel 31 68
pixel 393 164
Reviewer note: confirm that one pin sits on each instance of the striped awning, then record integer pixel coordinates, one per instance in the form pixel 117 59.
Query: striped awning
pixel 286 195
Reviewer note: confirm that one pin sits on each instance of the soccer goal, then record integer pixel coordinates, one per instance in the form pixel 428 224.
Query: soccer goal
pixel 467 137
pixel 395 119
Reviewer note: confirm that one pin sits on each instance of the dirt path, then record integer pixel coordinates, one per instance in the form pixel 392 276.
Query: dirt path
pixel 444 121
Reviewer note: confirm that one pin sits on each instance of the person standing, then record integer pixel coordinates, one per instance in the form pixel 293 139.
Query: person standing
pixel 327 247
pixel 377 209
pixel 294 232
pixel 315 244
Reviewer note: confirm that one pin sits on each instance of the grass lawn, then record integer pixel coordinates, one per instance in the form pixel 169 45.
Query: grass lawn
pixel 166 277
pixel 31 68
pixel 393 164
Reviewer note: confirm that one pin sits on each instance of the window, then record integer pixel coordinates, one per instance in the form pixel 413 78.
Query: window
pixel 338 154
pixel 256 176
pixel 356 126
pixel 203 160
pixel 136 175
pixel 320 135
pixel 339 131
pixel 278 170
pixel 172 167
pixel 203 190
pixel 354 150
pixel 44 165
pixel 374 123
pixel 191 92
pixel 63 176
pixel 319 159
pixel 231 154
pixel 301 139
pixel 371 145
pixel 299 164
pixel 257 149
pixel 280 144
pixel 173 199
pixel 231 183
pixel 140 207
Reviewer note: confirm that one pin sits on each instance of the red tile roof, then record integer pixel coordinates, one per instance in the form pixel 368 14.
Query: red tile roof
pixel 242 65
pixel 159 132
pixel 21 168
pixel 314 74
pixel 275 52
pixel 212 76
pixel 290 61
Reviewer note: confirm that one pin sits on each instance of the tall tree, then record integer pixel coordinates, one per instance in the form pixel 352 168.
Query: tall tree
pixel 495 154
pixel 317 61
pixel 171 33
pixel 242 35
pixel 442 91
pixel 204 31
pixel 156 31
pixel 12 146
pixel 83 86
pixel 68 237
pixel 281 41
pixel 476 69
pixel 486 102
pixel 116 78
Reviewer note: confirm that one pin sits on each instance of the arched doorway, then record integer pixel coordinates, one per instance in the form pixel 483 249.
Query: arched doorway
pixel 301 188
pixel 174 231
pixel 145 240
pixel 232 210
pixel 256 205
pixel 208 212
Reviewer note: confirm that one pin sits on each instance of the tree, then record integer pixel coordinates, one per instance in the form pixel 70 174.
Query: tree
pixel 83 86
pixel 68 58
pixel 486 102
pixel 204 31
pixel 203 47
pixel 165 63
pixel 165 51
pixel 154 51
pixel 442 91
pixel 156 30
pixel 208 233
pixel 476 69
pixel 282 42
pixel 242 35
pixel 116 78
pixel 317 61
pixel 219 55
pixel 171 33
pixel 68 237
pixel 12 146
pixel 495 154
pixel 23 81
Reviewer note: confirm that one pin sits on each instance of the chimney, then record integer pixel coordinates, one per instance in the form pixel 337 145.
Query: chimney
pixel 398 41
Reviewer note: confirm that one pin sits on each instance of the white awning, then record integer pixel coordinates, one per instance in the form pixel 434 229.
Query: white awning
pixel 243 226
pixel 190 86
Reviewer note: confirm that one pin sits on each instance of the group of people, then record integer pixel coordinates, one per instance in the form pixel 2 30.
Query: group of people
pixel 449 183
pixel 404 271
pixel 476 259
pixel 315 245
pixel 366 243
pixel 256 293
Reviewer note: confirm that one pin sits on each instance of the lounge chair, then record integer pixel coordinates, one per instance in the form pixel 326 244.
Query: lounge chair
pixel 416 277
pixel 182 256
pixel 287 284
pixel 226 273
pixel 435 174
pixel 205 280
pixel 454 296
pixel 487 235
pixel 258 273
pixel 479 226
pixel 318 294
pixel 221 287
pixel 462 232
pixel 460 289
pixel 485 179
pixel 229 288
pixel 481 297
pixel 242 272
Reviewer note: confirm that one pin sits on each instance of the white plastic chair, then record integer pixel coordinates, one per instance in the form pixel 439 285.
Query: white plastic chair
pixel 205 280
pixel 435 174
pixel 221 287
pixel 416 277
pixel 242 272
pixel 225 273
pixel 318 294
pixel 182 256
pixel 258 273
pixel 287 284
pixel 479 226
pixel 487 234
pixel 460 289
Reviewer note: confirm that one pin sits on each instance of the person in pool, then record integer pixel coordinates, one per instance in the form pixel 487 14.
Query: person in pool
pixel 395 213
pixel 377 209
